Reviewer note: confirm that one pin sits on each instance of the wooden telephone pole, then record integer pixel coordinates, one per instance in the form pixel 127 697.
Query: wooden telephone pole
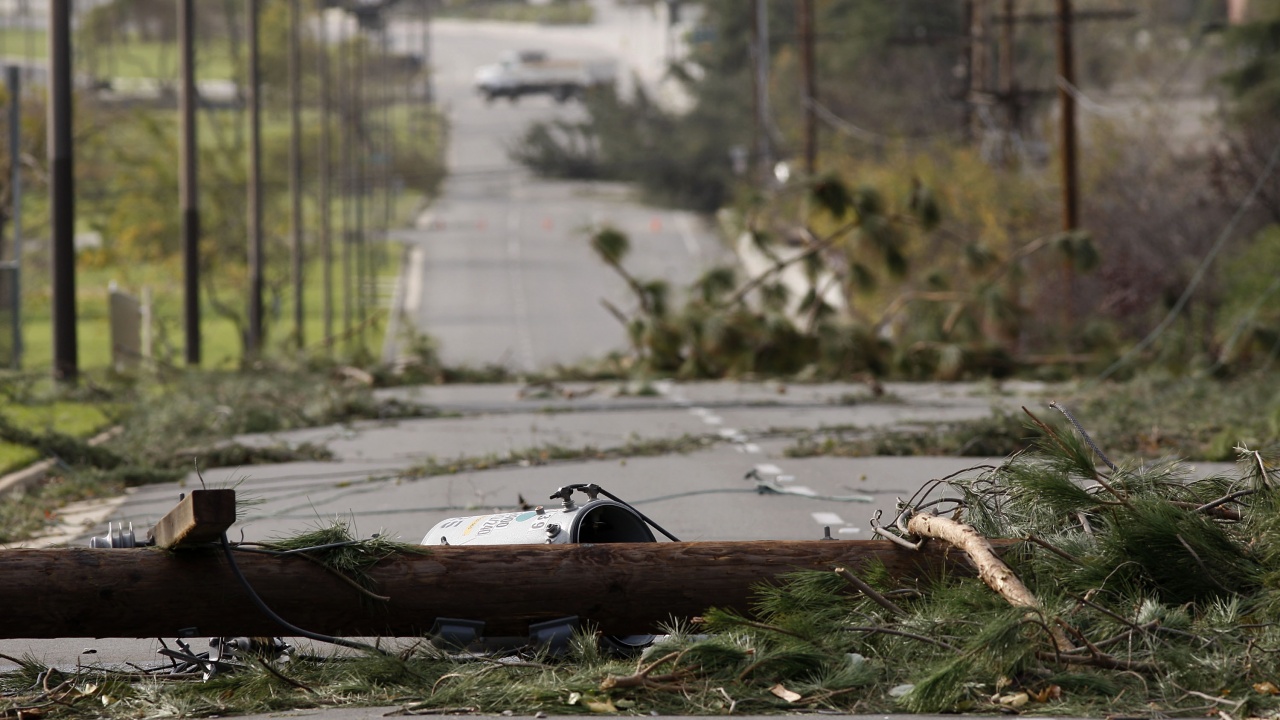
pixel 1067 128
pixel 622 588
pixel 809 82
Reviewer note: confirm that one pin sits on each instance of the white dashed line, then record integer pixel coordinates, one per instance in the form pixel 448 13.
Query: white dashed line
pixel 768 475
pixel 827 518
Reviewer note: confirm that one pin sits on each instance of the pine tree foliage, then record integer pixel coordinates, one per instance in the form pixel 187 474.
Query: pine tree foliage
pixel 1157 594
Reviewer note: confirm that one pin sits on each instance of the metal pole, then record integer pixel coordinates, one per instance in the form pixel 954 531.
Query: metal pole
pixel 253 340
pixel 66 366
pixel 326 220
pixel 810 87
pixel 13 76
pixel 188 187
pixel 295 166
pixel 1066 84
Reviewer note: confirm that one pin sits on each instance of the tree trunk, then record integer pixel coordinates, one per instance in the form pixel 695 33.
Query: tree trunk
pixel 620 588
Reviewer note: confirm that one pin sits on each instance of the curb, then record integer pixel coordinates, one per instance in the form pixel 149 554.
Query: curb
pixel 33 474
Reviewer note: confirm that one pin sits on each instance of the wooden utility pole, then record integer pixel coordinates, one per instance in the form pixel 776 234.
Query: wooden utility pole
pixel 760 35
pixel 326 214
pixel 621 588
pixel 979 67
pixel 362 147
pixel 254 337
pixel 188 177
pixel 966 61
pixel 62 211
pixel 1067 101
pixel 346 113
pixel 1008 77
pixel 809 82
pixel 295 168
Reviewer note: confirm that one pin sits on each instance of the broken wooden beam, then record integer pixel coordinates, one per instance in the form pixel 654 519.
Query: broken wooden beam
pixel 622 589
pixel 200 517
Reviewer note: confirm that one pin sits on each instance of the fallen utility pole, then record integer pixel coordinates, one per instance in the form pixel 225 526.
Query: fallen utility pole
pixel 620 588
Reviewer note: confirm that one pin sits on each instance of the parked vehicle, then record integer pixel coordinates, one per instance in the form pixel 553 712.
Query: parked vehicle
pixel 531 72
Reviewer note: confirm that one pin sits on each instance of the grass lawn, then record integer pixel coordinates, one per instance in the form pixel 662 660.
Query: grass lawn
pixel 72 418
pixel 221 345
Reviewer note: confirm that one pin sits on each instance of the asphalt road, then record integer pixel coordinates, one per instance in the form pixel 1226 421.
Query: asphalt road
pixel 710 493
pixel 499 269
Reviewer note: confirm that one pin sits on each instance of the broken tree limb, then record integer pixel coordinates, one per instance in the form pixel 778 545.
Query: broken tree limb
pixel 991 569
pixel 622 589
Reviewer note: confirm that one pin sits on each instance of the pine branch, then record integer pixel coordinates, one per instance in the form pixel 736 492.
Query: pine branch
pixel 870 592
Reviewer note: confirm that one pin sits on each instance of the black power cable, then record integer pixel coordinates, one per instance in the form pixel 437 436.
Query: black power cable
pixel 294 629
pixel 591 489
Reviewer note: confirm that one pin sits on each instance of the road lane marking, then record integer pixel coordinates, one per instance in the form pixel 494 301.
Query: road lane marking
pixel 413 289
pixel 523 338
pixel 827 518
pixel 684 225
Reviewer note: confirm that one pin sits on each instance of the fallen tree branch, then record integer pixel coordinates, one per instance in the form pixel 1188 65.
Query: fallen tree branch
pixel 902 633
pixel 870 592
pixel 991 569
pixel 1214 509
pixel 1105 661
pixel 643 677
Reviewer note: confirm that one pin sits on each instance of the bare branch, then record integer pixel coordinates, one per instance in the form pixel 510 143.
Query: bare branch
pixel 870 592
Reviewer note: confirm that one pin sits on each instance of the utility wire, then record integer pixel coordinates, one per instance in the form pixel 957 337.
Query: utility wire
pixel 1225 235
pixel 294 629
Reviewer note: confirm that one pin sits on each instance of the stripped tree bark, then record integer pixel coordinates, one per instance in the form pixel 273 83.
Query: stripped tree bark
pixel 991 569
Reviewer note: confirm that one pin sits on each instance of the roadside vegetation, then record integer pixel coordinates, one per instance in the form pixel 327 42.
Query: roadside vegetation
pixel 928 241
pixel 925 247
pixel 1152 417
pixel 555 12
pixel 1129 590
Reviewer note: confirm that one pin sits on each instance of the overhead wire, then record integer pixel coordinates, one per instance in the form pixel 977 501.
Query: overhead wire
pixel 1201 270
